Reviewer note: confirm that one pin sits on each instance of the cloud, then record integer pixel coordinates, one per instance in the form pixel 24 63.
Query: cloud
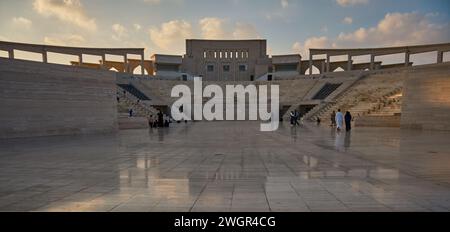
pixel 346 3
pixel 347 20
pixel 22 22
pixel 245 31
pixel 212 28
pixel 69 11
pixel 216 28
pixel 395 29
pixel 297 47
pixel 398 29
pixel 120 32
pixel 313 42
pixel 171 36
pixel 284 4
pixel 137 27
pixel 64 40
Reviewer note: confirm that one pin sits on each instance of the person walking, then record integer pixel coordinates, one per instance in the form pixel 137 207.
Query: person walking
pixel 130 112
pixel 160 119
pixel 333 119
pixel 339 120
pixel 348 121
pixel 296 118
pixel 292 114
pixel 150 121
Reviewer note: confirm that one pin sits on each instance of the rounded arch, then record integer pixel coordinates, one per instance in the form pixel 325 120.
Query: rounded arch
pixel 113 69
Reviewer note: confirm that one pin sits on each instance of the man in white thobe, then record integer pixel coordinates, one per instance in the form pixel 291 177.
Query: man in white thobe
pixel 339 120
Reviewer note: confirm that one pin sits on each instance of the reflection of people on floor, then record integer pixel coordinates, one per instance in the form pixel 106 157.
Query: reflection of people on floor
pixel 294 133
pixel 348 121
pixel 339 142
pixel 347 140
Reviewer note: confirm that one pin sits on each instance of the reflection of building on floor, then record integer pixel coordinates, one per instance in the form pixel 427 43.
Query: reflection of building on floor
pixel 217 170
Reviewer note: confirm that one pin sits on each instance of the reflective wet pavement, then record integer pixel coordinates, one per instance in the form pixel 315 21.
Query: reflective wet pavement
pixel 228 166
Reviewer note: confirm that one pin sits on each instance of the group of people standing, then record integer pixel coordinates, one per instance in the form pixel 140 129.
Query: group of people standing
pixel 338 119
pixel 161 120
pixel 295 116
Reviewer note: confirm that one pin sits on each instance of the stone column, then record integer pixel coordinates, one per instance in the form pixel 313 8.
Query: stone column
pixel 407 58
pixel 349 64
pixel 310 63
pixel 44 57
pixel 11 54
pixel 372 61
pixel 103 61
pixel 125 63
pixel 322 68
pixel 142 63
pixel 299 68
pixel 80 59
pixel 440 57
pixel 328 63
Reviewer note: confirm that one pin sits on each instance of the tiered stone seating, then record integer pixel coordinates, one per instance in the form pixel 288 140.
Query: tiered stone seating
pixel 326 91
pixel 134 91
pixel 140 108
pixel 390 107
pixel 364 96
pixel 387 113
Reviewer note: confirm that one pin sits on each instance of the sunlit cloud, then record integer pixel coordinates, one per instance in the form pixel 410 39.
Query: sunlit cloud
pixel 119 32
pixel 346 3
pixel 171 36
pixel 22 22
pixel 347 20
pixel 64 40
pixel 69 11
pixel 212 28
pixel 395 29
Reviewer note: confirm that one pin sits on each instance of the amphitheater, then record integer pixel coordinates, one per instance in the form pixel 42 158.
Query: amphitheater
pixel 68 143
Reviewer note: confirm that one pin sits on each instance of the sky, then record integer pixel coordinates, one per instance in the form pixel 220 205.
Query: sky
pixel 290 26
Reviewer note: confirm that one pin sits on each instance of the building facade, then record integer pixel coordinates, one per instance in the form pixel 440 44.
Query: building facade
pixel 225 60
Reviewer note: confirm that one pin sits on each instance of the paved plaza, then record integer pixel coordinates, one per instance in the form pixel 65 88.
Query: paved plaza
pixel 228 166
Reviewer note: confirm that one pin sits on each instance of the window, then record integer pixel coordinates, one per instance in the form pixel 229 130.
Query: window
pixel 210 68
pixel 204 54
pixel 242 68
pixel 226 68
